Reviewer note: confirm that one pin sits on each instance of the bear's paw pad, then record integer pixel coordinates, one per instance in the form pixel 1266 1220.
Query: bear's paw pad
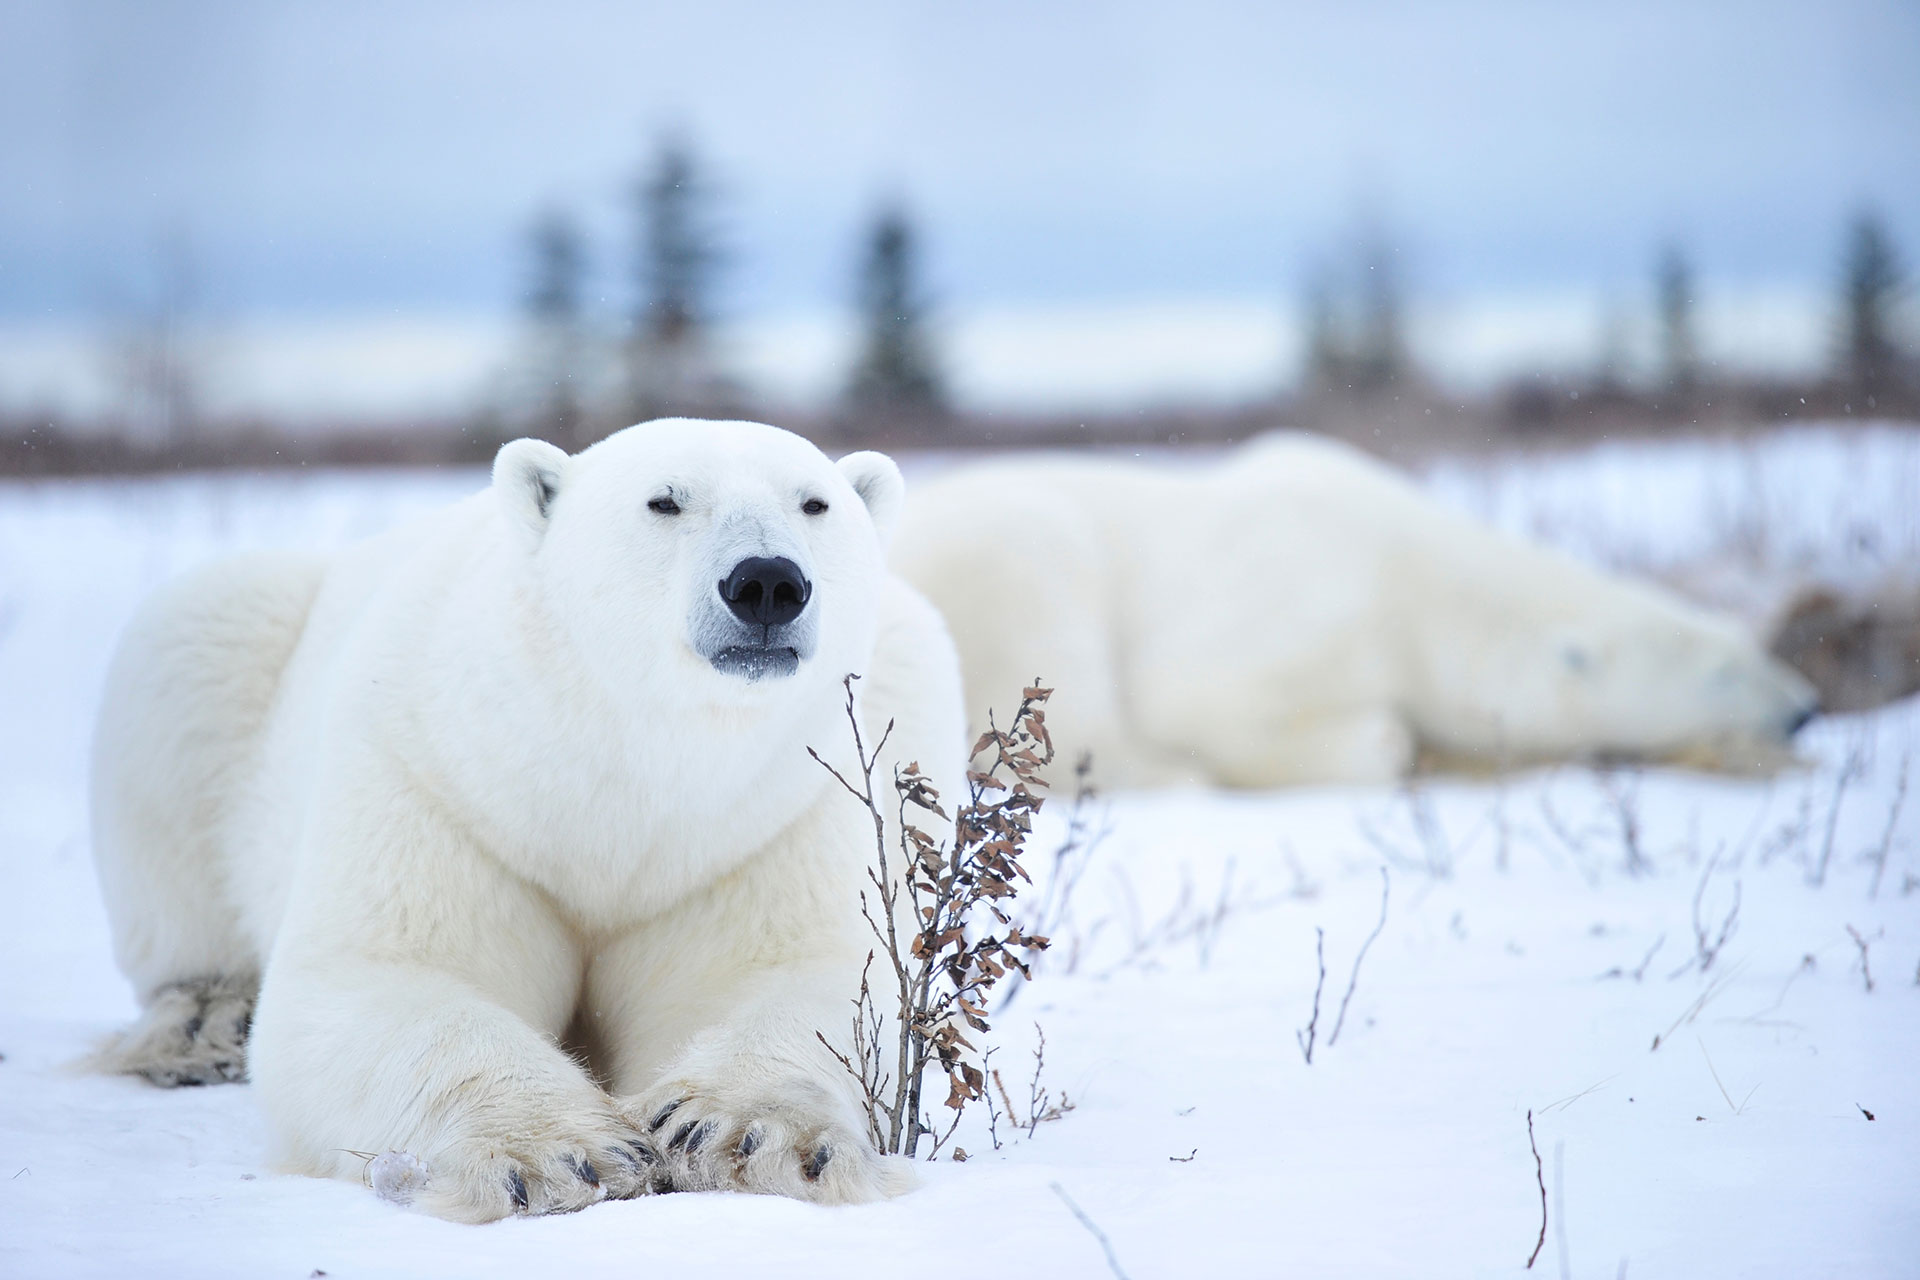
pixel 396 1176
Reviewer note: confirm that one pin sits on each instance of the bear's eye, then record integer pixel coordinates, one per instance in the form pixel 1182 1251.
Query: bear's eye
pixel 664 506
pixel 813 506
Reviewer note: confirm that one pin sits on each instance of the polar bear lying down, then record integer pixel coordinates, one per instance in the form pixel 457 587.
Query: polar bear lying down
pixel 529 772
pixel 1299 613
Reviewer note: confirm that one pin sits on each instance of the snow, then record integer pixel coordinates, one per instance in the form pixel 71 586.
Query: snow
pixel 1200 1142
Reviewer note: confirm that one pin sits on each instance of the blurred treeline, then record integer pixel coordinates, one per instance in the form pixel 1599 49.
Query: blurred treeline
pixel 580 370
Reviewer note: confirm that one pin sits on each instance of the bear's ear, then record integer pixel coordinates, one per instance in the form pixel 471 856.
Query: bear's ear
pixel 527 476
pixel 877 481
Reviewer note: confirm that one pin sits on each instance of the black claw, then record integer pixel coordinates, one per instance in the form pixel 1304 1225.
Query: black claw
pixel 642 1154
pixel 517 1188
pixel 682 1134
pixel 663 1115
pixel 750 1142
pixel 700 1136
pixel 818 1162
pixel 583 1169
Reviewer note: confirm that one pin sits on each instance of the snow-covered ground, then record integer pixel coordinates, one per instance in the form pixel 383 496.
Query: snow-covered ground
pixel 1755 1114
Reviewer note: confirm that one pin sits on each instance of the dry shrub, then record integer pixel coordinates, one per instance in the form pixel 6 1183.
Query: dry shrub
pixel 941 925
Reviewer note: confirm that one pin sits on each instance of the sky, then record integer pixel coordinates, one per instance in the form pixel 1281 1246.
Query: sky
pixel 340 162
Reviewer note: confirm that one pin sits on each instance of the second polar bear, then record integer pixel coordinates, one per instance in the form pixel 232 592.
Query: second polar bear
pixel 509 815
pixel 1299 613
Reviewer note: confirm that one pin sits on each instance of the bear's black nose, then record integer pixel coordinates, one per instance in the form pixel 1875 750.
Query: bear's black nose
pixel 766 591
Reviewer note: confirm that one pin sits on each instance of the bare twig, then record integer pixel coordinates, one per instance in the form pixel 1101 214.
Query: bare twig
pixel 1723 1088
pixel 1436 851
pixel 1106 1245
pixel 1706 944
pixel 1852 770
pixel 1340 1019
pixel 1791 835
pixel 1570 1099
pixel 1699 1004
pixel 1013 1117
pixel 1639 971
pixel 1040 1108
pixel 1575 842
pixel 1759 1018
pixel 993 1112
pixel 1186 920
pixel 1866 974
pixel 1623 798
pixel 1302 889
pixel 1878 854
pixel 1086 832
pixel 1305 1036
pixel 1540 1175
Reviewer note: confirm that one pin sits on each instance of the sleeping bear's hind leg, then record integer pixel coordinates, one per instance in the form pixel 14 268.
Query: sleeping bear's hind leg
pixel 191 1032
pixel 1349 746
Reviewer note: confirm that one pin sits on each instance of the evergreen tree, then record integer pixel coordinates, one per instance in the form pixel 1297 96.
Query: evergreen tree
pixel 1327 359
pixel 1380 358
pixel 896 370
pixel 1872 285
pixel 669 364
pixel 1679 347
pixel 555 307
pixel 1355 318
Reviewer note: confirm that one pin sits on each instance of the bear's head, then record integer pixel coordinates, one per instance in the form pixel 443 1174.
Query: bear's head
pixel 712 563
pixel 1691 683
pixel 1634 674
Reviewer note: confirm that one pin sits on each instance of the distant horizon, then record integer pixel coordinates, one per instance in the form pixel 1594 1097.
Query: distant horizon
pixel 1095 358
pixel 1115 203
pixel 368 158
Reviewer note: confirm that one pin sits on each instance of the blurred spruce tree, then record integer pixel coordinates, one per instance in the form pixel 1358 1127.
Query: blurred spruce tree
pixel 1873 284
pixel 555 305
pixel 670 365
pixel 1679 342
pixel 896 372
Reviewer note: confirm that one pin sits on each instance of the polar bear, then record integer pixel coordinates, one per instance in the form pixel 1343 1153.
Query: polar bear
pixel 1298 613
pixel 509 817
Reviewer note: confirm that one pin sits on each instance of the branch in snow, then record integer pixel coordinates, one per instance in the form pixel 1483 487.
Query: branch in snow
pixel 1540 1175
pixel 1353 978
pixel 1305 1036
pixel 1866 974
pixel 1106 1245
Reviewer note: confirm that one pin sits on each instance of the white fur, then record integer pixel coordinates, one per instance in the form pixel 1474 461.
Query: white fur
pixel 1299 613
pixel 472 789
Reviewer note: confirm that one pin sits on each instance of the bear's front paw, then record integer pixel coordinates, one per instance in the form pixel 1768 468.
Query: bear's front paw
pixel 790 1140
pixel 554 1166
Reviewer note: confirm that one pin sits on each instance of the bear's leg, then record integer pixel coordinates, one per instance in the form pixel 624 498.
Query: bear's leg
pixel 176 744
pixel 369 1070
pixel 1359 747
pixel 708 1026
pixel 752 1100
pixel 411 1012
pixel 192 1032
